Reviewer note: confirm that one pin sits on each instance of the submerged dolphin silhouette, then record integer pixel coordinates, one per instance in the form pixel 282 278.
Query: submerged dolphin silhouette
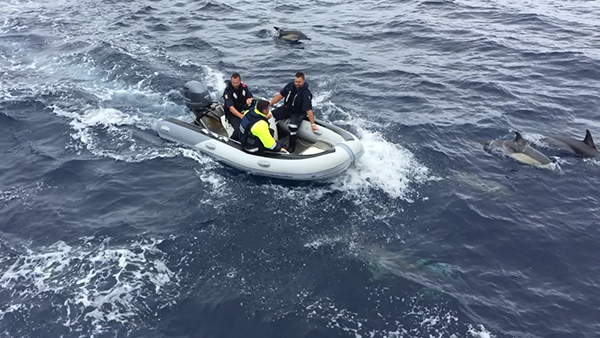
pixel 383 262
pixel 290 35
pixel 520 150
pixel 585 148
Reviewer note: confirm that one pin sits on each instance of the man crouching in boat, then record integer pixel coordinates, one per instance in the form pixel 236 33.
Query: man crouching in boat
pixel 254 130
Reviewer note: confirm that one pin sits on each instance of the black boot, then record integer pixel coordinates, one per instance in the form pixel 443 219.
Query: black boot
pixel 292 144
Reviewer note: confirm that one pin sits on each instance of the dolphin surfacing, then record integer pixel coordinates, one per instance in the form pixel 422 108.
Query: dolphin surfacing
pixel 520 151
pixel 290 35
pixel 585 148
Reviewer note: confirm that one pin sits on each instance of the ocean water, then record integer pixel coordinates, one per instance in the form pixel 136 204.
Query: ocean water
pixel 107 230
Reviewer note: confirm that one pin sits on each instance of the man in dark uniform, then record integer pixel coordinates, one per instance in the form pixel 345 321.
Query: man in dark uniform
pixel 237 98
pixel 297 106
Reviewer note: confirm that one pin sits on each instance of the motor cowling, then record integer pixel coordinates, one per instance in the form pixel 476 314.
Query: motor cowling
pixel 197 97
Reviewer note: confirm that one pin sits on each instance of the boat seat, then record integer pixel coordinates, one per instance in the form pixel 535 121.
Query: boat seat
pixel 213 125
pixel 311 151
pixel 314 148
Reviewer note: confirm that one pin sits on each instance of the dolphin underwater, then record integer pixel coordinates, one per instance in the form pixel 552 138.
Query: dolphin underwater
pixel 290 35
pixel 383 262
pixel 519 150
pixel 585 148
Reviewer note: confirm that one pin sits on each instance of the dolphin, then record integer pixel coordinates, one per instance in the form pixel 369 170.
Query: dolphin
pixel 585 148
pixel 290 35
pixel 383 262
pixel 481 186
pixel 519 150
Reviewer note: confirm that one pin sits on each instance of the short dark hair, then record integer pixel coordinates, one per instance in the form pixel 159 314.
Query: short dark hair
pixel 262 105
pixel 235 76
pixel 300 74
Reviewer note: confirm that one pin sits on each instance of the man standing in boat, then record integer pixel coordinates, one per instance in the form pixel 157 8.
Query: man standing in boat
pixel 297 106
pixel 255 135
pixel 237 97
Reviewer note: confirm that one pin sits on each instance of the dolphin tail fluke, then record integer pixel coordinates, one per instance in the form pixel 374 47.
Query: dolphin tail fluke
pixel 276 28
pixel 588 139
pixel 519 137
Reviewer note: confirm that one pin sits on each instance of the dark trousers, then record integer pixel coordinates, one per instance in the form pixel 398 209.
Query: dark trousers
pixel 281 113
pixel 235 123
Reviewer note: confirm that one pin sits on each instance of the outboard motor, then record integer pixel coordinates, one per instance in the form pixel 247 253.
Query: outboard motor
pixel 197 98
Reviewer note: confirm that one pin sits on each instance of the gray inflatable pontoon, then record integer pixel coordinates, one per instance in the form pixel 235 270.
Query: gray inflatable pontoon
pixel 322 154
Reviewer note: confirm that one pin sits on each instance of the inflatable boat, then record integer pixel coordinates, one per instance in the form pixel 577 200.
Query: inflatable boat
pixel 322 154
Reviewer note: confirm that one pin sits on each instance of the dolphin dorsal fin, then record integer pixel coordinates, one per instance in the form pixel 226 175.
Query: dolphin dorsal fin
pixel 588 139
pixel 519 138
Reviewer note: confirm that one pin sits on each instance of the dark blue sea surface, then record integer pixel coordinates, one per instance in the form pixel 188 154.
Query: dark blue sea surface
pixel 107 230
